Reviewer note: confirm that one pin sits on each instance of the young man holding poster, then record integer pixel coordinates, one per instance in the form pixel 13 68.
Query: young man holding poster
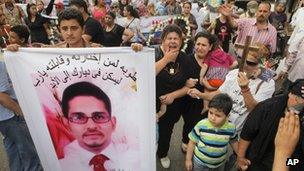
pixel 88 113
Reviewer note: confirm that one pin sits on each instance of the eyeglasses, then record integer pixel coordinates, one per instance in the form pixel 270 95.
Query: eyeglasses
pixel 249 63
pixel 97 117
pixel 114 7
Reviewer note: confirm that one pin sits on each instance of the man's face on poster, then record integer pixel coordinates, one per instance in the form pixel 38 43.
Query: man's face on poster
pixel 90 122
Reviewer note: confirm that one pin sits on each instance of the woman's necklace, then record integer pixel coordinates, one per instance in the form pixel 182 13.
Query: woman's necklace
pixel 173 67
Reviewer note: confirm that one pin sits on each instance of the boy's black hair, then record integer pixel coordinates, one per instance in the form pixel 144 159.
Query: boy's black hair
pixel 221 102
pixel 22 32
pixel 212 39
pixel 83 89
pixel 70 14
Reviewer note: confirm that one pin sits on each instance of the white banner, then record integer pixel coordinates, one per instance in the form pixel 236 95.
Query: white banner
pixel 68 129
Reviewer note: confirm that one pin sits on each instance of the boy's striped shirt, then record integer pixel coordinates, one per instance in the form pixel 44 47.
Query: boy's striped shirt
pixel 211 142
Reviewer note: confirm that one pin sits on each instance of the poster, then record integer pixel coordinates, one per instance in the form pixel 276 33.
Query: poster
pixel 80 103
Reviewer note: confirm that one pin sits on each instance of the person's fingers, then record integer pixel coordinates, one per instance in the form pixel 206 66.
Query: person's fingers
pixel 291 122
pixel 297 126
pixel 281 125
pixel 189 91
pixel 248 162
pixel 286 120
pixel 162 97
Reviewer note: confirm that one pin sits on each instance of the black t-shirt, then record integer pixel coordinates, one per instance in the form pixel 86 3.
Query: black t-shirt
pixel 193 105
pixel 37 30
pixel 260 129
pixel 223 32
pixel 93 28
pixel 113 37
pixel 173 76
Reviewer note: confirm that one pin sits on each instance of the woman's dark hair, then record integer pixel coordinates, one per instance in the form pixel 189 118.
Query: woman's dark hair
pixel 122 6
pixel 182 25
pixel 96 2
pixel 212 39
pixel 187 2
pixel 278 3
pixel 28 11
pixel 79 4
pixel 171 28
pixel 70 14
pixel 112 14
pixel 133 12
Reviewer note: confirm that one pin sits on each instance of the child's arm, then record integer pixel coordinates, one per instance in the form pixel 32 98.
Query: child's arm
pixel 189 155
pixel 203 80
pixel 206 84
pixel 162 111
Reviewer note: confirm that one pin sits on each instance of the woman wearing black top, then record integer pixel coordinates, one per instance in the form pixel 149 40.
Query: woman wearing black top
pixel 37 25
pixel 113 33
pixel 192 107
pixel 172 71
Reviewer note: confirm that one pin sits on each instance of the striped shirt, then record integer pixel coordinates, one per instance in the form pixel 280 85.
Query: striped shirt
pixel 212 143
pixel 248 27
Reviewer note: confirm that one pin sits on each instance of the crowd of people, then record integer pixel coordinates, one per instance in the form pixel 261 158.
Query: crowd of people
pixel 226 90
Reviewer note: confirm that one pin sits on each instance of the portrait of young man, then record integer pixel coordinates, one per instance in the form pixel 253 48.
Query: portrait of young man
pixel 88 115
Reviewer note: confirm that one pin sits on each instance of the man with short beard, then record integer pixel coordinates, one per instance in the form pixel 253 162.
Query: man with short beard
pixel 259 27
pixel 88 114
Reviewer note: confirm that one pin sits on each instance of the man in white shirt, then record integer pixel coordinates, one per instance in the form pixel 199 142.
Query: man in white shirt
pixel 88 112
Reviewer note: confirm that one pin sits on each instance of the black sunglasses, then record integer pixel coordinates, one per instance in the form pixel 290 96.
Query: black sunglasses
pixel 249 63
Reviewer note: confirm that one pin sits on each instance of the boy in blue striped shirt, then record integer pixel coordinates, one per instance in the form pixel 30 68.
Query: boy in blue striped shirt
pixel 208 144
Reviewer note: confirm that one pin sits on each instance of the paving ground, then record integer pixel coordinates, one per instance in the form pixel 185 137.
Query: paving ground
pixel 3 159
pixel 175 154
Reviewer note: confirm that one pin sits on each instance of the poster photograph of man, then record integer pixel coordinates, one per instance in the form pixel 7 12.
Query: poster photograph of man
pixel 88 111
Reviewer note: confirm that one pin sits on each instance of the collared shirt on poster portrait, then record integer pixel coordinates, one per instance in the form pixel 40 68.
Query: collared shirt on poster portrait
pixel 248 27
pixel 77 158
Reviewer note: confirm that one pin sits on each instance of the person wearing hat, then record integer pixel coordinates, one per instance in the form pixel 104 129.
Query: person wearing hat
pixel 256 146
pixel 252 7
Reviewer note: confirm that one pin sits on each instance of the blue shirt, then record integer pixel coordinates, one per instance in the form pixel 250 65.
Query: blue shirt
pixel 5 87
